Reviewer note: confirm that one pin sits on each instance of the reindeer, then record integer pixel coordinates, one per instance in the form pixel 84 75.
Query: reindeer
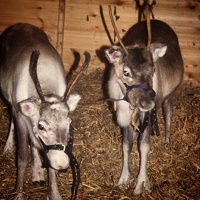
pixel 142 80
pixel 33 82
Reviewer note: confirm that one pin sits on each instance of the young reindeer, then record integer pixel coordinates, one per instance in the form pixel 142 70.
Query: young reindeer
pixel 40 103
pixel 140 82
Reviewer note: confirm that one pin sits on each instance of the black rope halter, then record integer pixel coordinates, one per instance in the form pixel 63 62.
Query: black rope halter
pixel 73 162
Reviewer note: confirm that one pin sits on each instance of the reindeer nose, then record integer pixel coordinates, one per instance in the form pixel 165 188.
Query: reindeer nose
pixel 63 163
pixel 146 105
pixel 58 159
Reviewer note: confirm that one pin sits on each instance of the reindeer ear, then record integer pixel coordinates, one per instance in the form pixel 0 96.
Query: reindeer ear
pixel 114 54
pixel 158 51
pixel 29 107
pixel 72 101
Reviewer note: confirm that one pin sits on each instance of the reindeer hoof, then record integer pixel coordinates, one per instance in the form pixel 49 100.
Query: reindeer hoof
pixel 20 196
pixel 139 188
pixel 123 181
pixel 142 183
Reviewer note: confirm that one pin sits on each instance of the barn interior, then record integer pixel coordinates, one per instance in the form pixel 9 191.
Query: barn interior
pixel 74 26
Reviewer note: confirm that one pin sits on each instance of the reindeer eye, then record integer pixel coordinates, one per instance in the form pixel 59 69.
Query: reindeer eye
pixel 40 127
pixel 126 73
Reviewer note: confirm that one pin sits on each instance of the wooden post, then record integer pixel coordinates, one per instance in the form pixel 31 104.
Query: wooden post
pixel 61 24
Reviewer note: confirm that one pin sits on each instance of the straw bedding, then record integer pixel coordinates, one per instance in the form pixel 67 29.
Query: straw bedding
pixel 174 170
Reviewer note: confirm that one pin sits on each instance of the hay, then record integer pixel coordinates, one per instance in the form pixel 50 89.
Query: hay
pixel 174 170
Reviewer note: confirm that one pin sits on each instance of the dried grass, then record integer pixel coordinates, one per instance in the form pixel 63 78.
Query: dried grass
pixel 174 170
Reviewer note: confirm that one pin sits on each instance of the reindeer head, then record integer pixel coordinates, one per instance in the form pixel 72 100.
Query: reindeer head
pixel 50 118
pixel 134 70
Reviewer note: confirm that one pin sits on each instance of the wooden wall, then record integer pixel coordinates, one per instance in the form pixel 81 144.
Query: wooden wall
pixel 84 30
pixel 41 13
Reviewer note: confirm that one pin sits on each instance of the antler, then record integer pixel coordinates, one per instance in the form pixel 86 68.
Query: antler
pixel 116 31
pixel 83 68
pixel 33 73
pixel 148 24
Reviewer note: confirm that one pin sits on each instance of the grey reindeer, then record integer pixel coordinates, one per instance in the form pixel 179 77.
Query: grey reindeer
pixel 40 104
pixel 141 81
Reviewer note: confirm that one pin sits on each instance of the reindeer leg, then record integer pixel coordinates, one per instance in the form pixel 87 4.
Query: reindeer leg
pixel 144 147
pixel 10 143
pixel 53 192
pixel 128 136
pixel 36 167
pixel 22 154
pixel 167 112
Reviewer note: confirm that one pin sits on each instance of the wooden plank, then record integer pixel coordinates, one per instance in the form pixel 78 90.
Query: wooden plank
pixel 36 12
pixel 191 4
pixel 103 2
pixel 93 40
pixel 90 29
pixel 127 13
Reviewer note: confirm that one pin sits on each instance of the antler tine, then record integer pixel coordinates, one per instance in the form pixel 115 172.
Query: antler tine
pixel 33 73
pixel 83 68
pixel 116 31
